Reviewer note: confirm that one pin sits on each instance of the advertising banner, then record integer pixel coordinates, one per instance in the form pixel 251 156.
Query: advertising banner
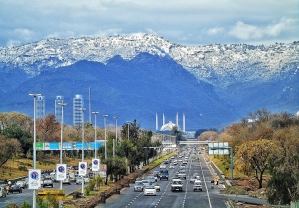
pixel 82 168
pixel 60 172
pixel 34 179
pixel 95 165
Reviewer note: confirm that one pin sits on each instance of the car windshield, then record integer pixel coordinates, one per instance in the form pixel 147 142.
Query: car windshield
pixel 177 182
pixel 150 187
pixel 138 183
pixel 144 181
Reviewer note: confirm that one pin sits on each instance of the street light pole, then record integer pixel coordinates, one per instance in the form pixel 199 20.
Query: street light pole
pixel 82 109
pixel 61 135
pixel 105 136
pixel 95 133
pixel 34 144
pixel 115 135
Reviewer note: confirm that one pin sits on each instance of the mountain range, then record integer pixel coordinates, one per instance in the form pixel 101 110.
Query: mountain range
pixel 136 76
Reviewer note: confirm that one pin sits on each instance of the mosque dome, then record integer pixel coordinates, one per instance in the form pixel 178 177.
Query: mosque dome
pixel 168 126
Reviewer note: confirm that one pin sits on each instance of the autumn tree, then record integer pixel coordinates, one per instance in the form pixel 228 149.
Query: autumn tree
pixel 48 129
pixel 9 147
pixel 283 167
pixel 255 155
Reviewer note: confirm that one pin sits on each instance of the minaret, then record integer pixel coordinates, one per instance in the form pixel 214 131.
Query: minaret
pixel 177 119
pixel 163 119
pixel 157 122
pixel 184 123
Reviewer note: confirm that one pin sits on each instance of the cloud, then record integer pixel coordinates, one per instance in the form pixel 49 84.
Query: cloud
pixel 11 43
pixel 215 30
pixel 247 32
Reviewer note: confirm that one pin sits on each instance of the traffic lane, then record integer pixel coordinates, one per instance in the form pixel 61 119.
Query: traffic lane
pixel 26 195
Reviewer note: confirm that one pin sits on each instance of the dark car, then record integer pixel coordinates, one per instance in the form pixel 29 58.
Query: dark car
pixel 15 188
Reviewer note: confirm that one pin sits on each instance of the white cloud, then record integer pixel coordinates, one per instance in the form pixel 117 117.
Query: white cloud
pixel 11 43
pixel 215 30
pixel 254 32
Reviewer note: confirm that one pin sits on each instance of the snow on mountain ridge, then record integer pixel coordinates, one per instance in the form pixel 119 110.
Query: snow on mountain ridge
pixel 214 63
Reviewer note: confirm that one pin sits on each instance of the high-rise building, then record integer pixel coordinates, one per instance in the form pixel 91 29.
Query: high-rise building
pixel 40 107
pixel 58 108
pixel 78 104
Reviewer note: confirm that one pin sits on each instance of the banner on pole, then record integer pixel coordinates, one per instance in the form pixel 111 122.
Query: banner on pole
pixel 95 165
pixel 34 176
pixel 60 172
pixel 82 168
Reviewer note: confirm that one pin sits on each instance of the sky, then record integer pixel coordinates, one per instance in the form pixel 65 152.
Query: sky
pixel 186 22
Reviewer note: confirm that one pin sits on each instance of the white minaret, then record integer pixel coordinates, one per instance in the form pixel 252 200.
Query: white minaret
pixel 177 119
pixel 184 123
pixel 163 119
pixel 157 122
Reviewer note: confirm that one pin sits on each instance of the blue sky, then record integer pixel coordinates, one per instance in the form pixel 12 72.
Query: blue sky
pixel 187 22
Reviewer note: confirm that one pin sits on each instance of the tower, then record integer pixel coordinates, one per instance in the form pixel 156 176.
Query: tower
pixel 78 104
pixel 40 107
pixel 58 108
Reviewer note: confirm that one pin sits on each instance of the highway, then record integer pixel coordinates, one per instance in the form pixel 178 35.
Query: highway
pixel 208 198
pixel 26 195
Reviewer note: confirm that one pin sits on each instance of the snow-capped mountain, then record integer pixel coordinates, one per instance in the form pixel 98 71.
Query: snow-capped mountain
pixel 136 76
pixel 220 65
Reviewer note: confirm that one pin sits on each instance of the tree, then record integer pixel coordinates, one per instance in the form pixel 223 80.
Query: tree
pixel 178 134
pixel 283 167
pixel 9 147
pixel 16 132
pixel 48 129
pixel 255 155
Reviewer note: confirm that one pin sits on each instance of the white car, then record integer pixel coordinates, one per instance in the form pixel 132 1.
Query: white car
pixel 150 190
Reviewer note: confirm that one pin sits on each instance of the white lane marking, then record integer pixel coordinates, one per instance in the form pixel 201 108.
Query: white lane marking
pixel 203 176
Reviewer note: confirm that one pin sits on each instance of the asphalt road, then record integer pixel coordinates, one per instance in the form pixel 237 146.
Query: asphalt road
pixel 166 198
pixel 26 195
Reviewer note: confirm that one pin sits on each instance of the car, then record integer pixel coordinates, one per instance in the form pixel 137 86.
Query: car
pixel 3 192
pixel 138 186
pixel 171 166
pixel 145 183
pixel 192 179
pixel 149 190
pixel 22 184
pixel 15 188
pixel 48 181
pixel 197 185
pixel 67 180
pixel 177 185
pixel 157 186
pixel 163 166
pixel 164 174
pixel 151 179
pixel 79 180
pixel 86 179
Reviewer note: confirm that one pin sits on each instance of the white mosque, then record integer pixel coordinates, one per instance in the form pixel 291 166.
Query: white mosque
pixel 168 126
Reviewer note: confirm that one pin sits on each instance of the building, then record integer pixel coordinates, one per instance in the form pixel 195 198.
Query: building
pixel 78 104
pixel 40 107
pixel 58 108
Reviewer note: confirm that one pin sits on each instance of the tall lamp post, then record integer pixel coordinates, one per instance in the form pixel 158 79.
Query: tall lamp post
pixel 34 144
pixel 61 135
pixel 115 135
pixel 82 109
pixel 105 136
pixel 95 133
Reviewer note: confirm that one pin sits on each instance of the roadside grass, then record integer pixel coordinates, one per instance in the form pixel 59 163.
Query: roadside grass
pixel 16 168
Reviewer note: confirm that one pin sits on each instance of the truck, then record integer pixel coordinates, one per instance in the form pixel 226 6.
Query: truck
pixel 177 185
